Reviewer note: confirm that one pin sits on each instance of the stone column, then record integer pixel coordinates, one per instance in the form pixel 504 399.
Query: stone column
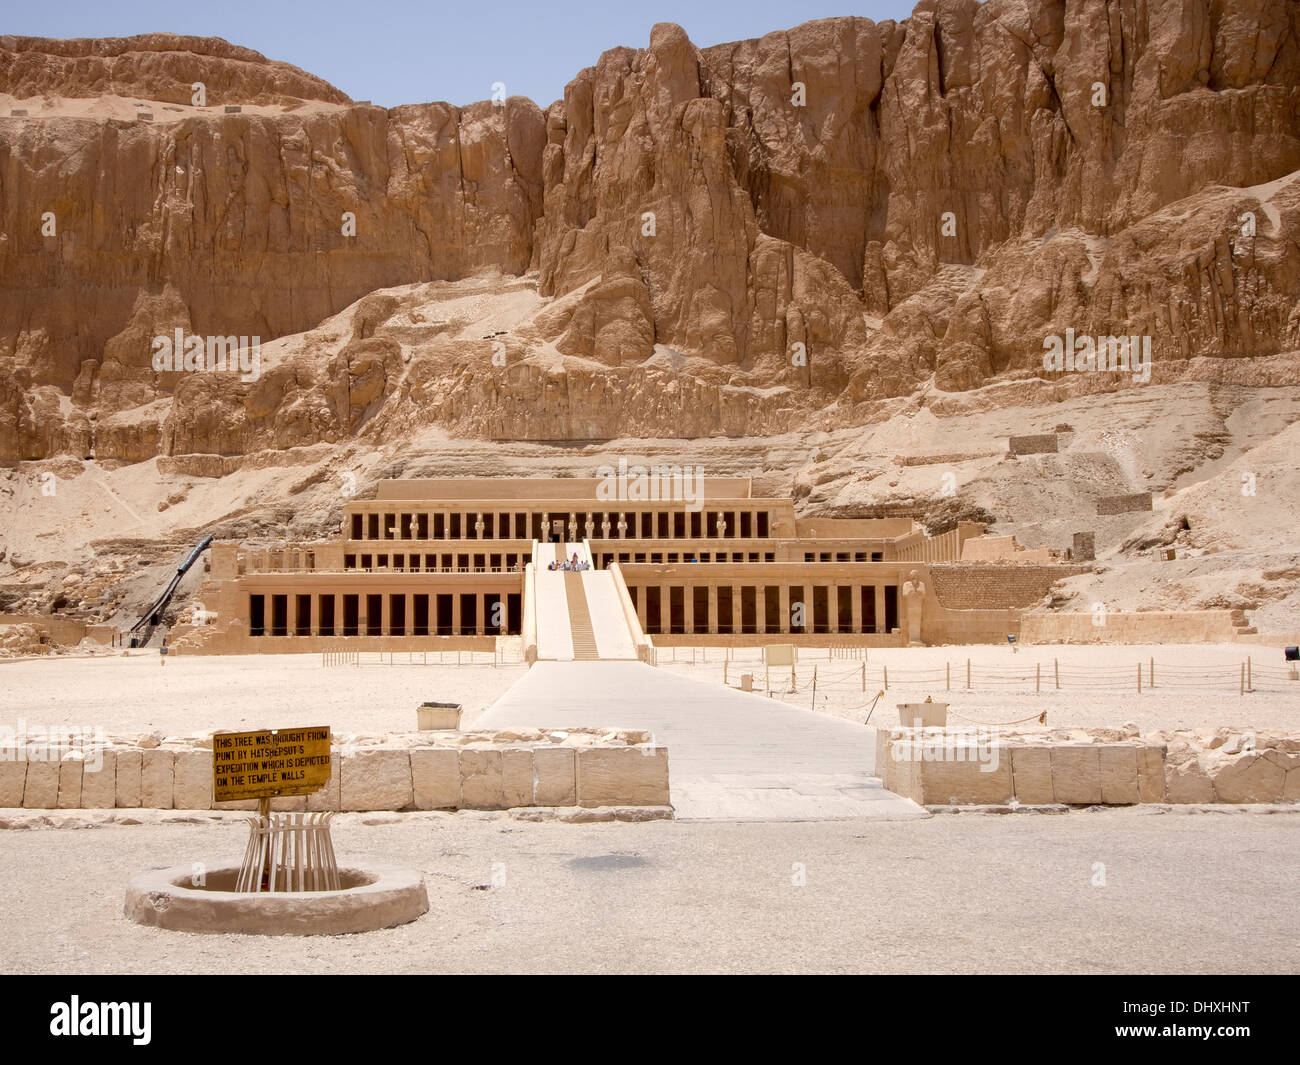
pixel 688 607
pixel 784 602
pixel 455 613
pixel 385 615
pixel 713 608
pixel 315 615
pixel 410 613
pixel 640 607
pixel 736 614
pixel 760 607
pixel 480 621
pixel 665 609
pixel 880 609
pixel 338 613
pixel 855 606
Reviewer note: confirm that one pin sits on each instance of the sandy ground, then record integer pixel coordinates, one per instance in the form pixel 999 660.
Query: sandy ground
pixel 955 893
pixel 1196 686
pixel 132 694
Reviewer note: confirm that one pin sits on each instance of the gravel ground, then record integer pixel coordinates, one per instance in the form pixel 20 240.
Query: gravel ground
pixel 128 695
pixel 1196 685
pixel 1183 892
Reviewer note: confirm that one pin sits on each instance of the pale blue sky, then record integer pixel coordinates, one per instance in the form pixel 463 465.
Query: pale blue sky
pixel 398 52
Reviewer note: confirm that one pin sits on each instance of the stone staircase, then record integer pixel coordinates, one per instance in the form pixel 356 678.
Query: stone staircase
pixel 584 638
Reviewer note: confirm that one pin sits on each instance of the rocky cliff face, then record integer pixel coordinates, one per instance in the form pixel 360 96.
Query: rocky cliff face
pixel 768 235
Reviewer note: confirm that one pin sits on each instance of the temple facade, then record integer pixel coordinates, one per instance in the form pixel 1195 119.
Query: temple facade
pixel 463 562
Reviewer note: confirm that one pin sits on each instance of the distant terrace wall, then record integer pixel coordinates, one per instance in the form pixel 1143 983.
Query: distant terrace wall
pixel 1143 626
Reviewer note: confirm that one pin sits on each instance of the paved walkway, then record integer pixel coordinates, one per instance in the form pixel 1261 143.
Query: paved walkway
pixel 732 756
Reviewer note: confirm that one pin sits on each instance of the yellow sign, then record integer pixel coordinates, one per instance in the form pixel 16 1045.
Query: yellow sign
pixel 257 765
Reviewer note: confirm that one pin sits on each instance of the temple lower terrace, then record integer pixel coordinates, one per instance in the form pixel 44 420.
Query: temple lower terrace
pixel 462 562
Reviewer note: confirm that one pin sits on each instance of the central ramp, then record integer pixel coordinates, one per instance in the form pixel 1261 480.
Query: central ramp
pixel 732 756
pixel 579 615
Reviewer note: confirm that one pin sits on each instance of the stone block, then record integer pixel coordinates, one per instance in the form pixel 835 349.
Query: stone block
pixel 70 773
pixel 157 784
pixel 963 782
pixel 1186 781
pixel 130 762
pixel 330 796
pixel 376 779
pixel 1250 777
pixel 1031 775
pixel 1119 774
pixel 1291 793
pixel 13 777
pixel 517 777
pixel 1076 773
pixel 623 776
pixel 192 776
pixel 554 777
pixel 42 790
pixel 481 783
pixel 435 777
pixel 1151 774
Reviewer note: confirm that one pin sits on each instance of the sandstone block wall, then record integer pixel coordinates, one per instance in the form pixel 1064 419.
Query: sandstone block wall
pixel 1033 444
pixel 970 587
pixel 1089 767
pixel 1124 504
pixel 1144 626
pixel 461 770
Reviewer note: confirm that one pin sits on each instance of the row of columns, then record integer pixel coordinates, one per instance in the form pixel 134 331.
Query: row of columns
pixel 522 525
pixel 691 623
pixel 482 623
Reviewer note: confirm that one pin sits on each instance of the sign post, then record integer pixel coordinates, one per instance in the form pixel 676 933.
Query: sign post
pixel 262 765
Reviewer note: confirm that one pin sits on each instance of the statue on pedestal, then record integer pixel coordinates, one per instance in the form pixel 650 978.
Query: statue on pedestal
pixel 913 601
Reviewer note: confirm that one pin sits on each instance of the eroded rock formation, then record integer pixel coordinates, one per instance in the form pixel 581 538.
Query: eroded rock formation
pixel 755 237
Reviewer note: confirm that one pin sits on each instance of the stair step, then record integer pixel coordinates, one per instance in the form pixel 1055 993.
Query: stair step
pixel 580 628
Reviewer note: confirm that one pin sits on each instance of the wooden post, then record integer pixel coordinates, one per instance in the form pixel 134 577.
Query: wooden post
pixel 1056 668
pixel 886 669
pixel 814 689
pixel 1250 680
pixel 1151 672
pixel 1038 677
pixel 1243 679
pixel 864 676
pixel 1139 678
pixel 947 676
pixel 724 672
pixel 968 674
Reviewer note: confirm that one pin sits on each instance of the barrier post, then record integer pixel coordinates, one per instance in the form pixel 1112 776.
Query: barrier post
pixel 968 674
pixel 814 689
pixel 1250 681
pixel 1139 678
pixel 1056 668
pixel 864 676
pixel 1151 672
pixel 947 676
pixel 886 669
pixel 1038 677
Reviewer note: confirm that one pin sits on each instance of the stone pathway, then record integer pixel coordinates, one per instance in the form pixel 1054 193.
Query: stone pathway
pixel 732 756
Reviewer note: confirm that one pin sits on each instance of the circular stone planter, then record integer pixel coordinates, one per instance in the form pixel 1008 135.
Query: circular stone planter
pixel 379 896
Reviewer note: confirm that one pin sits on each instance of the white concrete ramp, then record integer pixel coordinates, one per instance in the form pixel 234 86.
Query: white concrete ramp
pixel 731 756
pixel 579 615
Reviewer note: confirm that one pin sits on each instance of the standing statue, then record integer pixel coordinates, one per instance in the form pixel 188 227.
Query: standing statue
pixel 478 527
pixel 546 530
pixel 622 526
pixel 913 601
pixel 604 527
pixel 591 526
pixel 721 526
pixel 573 526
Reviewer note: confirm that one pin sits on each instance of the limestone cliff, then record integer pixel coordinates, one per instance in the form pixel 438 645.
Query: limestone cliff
pixel 750 238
